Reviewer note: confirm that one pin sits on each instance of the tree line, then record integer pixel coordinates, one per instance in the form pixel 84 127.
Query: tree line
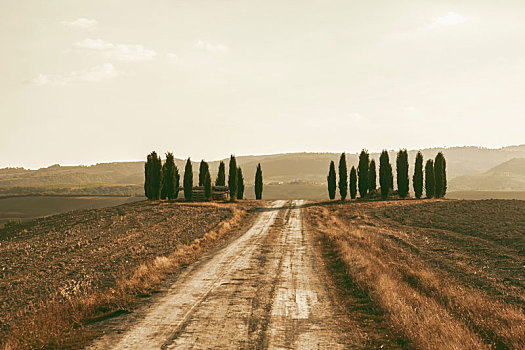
pixel 162 181
pixel 364 179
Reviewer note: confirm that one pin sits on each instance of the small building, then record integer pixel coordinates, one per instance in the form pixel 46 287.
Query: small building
pixel 218 193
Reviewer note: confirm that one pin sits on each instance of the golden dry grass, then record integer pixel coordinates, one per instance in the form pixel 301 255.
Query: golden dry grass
pixel 434 309
pixel 61 323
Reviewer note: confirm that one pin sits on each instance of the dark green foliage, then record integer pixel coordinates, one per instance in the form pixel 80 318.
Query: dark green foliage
pixel 444 176
pixel 417 179
pixel 207 184
pixel 372 177
pixel 343 176
pixel 188 180
pixel 153 176
pixel 258 182
pixel 402 173
pixel 430 182
pixel 385 174
pixel 176 182
pixel 331 181
pixel 440 175
pixel 170 179
pixel 353 183
pixel 221 175
pixel 203 168
pixel 362 173
pixel 232 178
pixel 240 184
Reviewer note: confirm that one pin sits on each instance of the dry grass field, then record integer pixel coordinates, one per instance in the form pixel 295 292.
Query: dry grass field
pixel 446 274
pixel 61 273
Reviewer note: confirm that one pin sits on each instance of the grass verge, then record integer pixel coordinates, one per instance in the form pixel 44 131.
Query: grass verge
pixel 431 307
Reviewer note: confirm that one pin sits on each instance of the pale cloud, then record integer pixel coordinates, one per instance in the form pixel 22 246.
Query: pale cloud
pixel 172 56
pixel 450 19
pixel 96 74
pixel 81 23
pixel 437 25
pixel 120 52
pixel 202 45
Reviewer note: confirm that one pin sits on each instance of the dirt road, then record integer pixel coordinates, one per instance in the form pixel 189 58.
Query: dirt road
pixel 262 291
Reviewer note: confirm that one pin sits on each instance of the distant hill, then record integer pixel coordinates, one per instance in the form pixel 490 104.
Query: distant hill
pixel 507 176
pixel 467 168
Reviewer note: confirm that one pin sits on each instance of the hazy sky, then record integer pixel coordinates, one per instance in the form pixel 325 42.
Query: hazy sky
pixel 104 80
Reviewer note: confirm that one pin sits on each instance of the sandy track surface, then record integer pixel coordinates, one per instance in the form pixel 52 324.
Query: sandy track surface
pixel 261 291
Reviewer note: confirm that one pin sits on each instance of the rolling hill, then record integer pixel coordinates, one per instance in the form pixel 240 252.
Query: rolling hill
pixel 467 168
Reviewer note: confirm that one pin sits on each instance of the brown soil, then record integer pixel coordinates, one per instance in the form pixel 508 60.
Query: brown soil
pixel 66 254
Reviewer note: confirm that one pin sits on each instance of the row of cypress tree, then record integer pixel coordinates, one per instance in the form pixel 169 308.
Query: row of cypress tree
pixel 162 180
pixel 364 178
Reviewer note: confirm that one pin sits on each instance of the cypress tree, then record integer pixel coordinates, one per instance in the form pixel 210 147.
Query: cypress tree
pixel 444 176
pixel 147 177
pixel 372 177
pixel 202 172
pixel 188 180
pixel 258 182
pixel 176 182
pixel 439 175
pixel 353 183
pixel 153 176
pixel 169 177
pixel 240 184
pixel 232 177
pixel 402 173
pixel 385 174
pixel 343 176
pixel 417 179
pixel 221 175
pixel 331 181
pixel 207 185
pixel 430 182
pixel 362 173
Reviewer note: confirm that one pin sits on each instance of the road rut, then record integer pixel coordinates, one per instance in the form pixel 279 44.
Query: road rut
pixel 259 292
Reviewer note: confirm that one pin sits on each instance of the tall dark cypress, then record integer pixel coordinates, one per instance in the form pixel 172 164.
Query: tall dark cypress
pixel 439 175
pixel 153 176
pixel 240 184
pixel 202 172
pixel 362 173
pixel 169 177
pixel 188 180
pixel 430 182
pixel 232 178
pixel 343 176
pixel 353 183
pixel 372 177
pixel 221 175
pixel 258 182
pixel 417 179
pixel 444 176
pixel 385 174
pixel 402 173
pixel 331 181
pixel 176 181
pixel 207 185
